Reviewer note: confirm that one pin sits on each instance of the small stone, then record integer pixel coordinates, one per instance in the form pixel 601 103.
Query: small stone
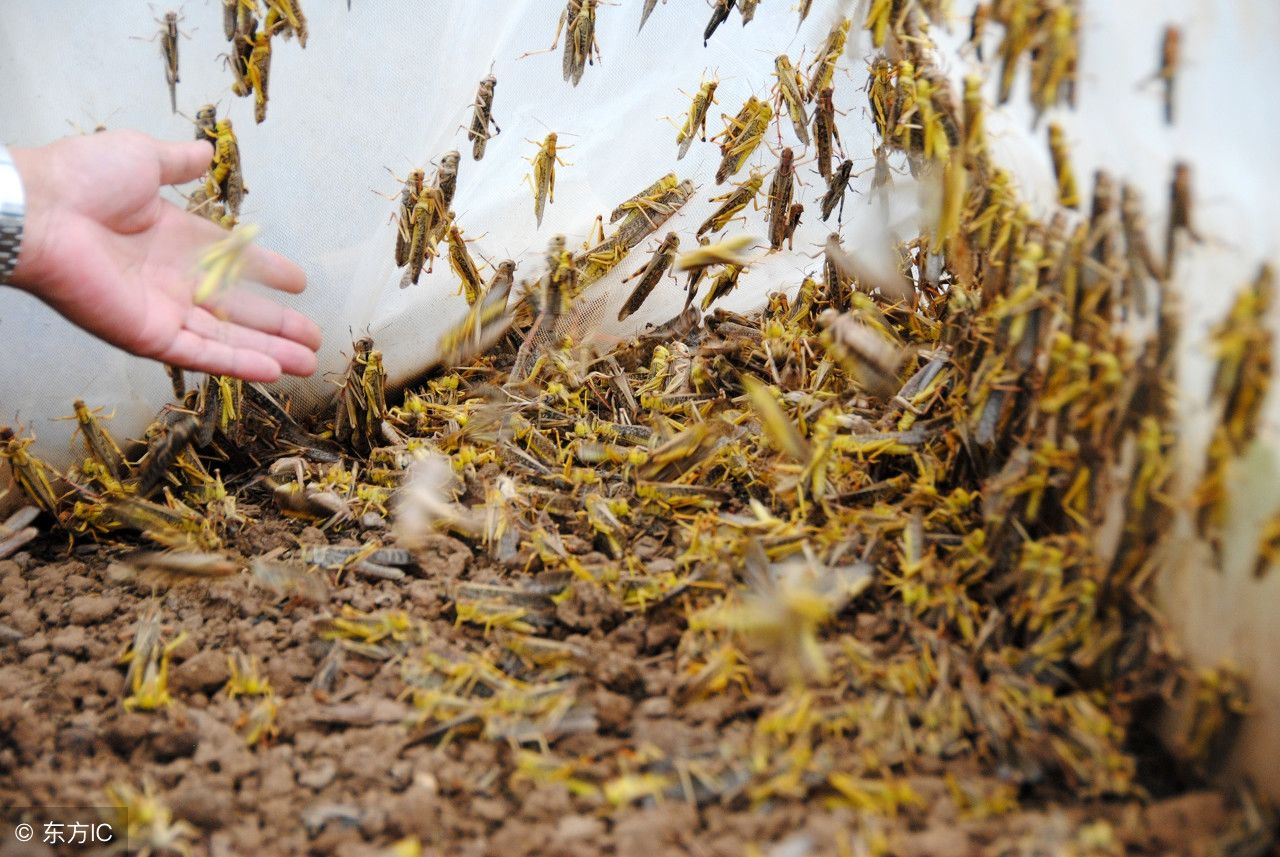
pixel 277 780
pixel 415 812
pixel 441 557
pixel 204 671
pixel 91 609
pixel 319 775
pixel 69 641
pixel 490 809
pixel 127 732
pixel 201 804
pixel 575 828
pixel 185 649
pixel 938 842
pixel 175 744
pixel 25 620
pixel 313 536
pixel 32 644
pixel 1171 821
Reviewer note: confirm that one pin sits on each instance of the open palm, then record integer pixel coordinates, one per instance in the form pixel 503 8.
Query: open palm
pixel 108 253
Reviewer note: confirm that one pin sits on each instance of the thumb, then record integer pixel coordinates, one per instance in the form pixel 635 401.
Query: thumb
pixel 182 162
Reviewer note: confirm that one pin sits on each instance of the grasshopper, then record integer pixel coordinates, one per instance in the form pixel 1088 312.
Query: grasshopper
pixel 578 23
pixel 790 89
pixel 486 321
pixel 427 221
pixel 646 11
pixel 695 278
pixel 408 201
pixel 719 14
pixel 464 266
pixel 32 474
pixel 726 252
pixel 1170 59
pixel 169 47
pixel 650 274
pixel 1068 194
pixel 99 444
pixel 164 450
pixel 648 199
pixel 242 36
pixel 482 117
pixel 781 193
pixel 447 176
pixel 1054 59
pixel 978 28
pixel 697 117
pixel 543 180
pixel 793 223
pixel 1179 211
pixel 837 185
pixel 741 136
pixel 803 9
pixel 361 403
pixel 556 290
pixel 822 70
pixel 225 182
pixel 724 282
pixel 732 203
pixel 207 123
pixel 285 17
pixel 825 131
pixel 258 72
pixel 168 36
pixel 868 355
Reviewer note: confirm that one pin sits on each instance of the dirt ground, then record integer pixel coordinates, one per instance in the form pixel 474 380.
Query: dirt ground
pixel 348 771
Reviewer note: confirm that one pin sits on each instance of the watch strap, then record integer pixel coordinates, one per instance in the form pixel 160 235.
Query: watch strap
pixel 13 211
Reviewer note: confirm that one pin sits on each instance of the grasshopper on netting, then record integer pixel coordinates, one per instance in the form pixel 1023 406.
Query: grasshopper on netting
pixel 825 133
pixel 650 274
pixel 464 266
pixel 697 117
pixel 578 23
pixel 543 180
pixel 168 36
pixel 225 182
pixel 427 223
pixel 258 72
pixel 408 200
pixel 285 17
pixel 719 14
pixel 790 94
pixel 646 11
pixel 732 203
pixel 781 193
pixel 482 117
pixel 742 135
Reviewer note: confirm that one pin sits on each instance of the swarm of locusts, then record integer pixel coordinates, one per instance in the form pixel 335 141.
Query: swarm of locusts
pixel 903 525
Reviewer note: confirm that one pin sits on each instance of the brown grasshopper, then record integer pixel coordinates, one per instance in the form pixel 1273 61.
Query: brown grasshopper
pixel 650 274
pixel 781 193
pixel 482 117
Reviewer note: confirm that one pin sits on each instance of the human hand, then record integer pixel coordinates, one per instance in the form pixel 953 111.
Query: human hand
pixel 103 249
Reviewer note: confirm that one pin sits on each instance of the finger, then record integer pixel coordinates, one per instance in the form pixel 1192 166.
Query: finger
pixel 192 351
pixel 288 355
pixel 243 307
pixel 273 270
pixel 182 162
